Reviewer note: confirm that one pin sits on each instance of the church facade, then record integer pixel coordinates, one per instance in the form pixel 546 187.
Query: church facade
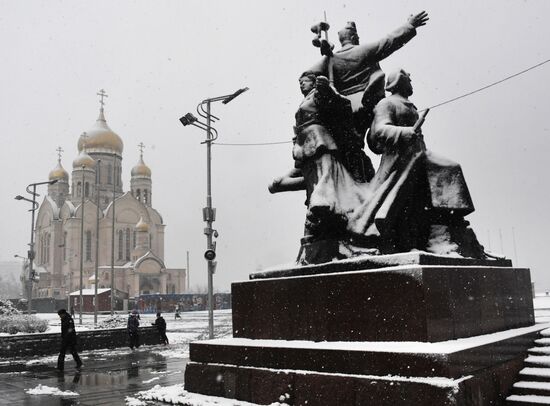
pixel 93 196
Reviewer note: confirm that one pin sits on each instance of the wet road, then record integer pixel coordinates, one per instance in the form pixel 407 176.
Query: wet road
pixel 105 379
pixel 109 376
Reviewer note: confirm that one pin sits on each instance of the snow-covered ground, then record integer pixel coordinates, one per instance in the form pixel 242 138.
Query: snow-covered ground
pixel 192 326
pixel 180 332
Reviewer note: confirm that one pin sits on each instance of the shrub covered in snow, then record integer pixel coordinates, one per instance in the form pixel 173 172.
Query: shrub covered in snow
pixel 22 323
pixel 114 321
pixel 7 308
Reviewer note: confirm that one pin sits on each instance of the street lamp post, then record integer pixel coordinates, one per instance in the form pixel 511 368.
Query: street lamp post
pixel 113 239
pixel 81 248
pixel 31 253
pixel 209 213
pixel 97 188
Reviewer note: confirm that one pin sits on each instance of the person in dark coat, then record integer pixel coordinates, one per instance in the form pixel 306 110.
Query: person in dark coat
pixel 133 329
pixel 68 340
pixel 160 323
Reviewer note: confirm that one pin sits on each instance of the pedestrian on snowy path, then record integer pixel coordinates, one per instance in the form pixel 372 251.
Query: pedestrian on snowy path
pixel 68 340
pixel 133 329
pixel 160 323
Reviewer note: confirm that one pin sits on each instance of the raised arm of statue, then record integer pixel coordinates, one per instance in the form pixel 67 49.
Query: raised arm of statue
pixel 381 49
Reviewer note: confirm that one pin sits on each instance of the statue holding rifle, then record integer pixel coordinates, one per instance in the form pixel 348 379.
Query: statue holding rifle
pixel 416 200
pixel 419 198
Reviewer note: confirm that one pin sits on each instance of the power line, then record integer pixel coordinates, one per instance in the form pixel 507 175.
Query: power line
pixel 431 107
pixel 490 85
pixel 253 144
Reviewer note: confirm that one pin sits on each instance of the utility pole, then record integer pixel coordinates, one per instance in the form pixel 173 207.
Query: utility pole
pixel 30 253
pixel 81 247
pixel 188 273
pixel 208 212
pixel 515 249
pixel 113 239
pixel 97 182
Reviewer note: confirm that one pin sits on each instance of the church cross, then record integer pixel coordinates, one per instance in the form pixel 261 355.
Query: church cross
pixel 59 151
pixel 141 147
pixel 102 94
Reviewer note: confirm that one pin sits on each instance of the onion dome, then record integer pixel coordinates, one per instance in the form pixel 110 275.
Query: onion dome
pixel 58 173
pixel 141 170
pixel 141 225
pixel 100 138
pixel 83 159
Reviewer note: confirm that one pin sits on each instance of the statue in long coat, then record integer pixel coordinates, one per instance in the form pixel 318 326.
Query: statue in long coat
pixel 419 199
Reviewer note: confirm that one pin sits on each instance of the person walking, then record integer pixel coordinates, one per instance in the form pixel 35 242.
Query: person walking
pixel 160 323
pixel 68 340
pixel 133 329
pixel 177 314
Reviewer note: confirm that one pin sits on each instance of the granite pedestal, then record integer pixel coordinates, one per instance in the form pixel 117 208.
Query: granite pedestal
pixel 412 329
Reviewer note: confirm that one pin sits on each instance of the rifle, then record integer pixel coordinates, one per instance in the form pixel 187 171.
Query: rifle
pixel 420 121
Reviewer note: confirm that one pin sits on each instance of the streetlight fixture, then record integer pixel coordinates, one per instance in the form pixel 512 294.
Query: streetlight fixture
pixel 209 213
pixel 31 253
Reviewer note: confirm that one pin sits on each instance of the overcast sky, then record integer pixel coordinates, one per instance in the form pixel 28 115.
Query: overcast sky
pixel 157 60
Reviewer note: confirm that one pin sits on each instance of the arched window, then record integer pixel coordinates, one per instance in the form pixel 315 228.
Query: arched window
pixel 120 244
pixel 150 240
pixel 88 245
pixel 109 174
pixel 78 189
pixel 86 189
pixel 135 239
pixel 65 246
pixel 138 194
pixel 128 244
pixel 145 196
pixel 48 239
pixel 41 248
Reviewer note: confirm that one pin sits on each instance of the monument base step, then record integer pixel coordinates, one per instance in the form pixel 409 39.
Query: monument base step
pixel 474 371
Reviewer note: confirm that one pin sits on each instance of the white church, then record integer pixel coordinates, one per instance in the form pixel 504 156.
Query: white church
pixel 138 228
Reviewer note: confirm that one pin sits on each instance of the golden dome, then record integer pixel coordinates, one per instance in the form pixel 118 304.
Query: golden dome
pixel 141 225
pixel 58 173
pixel 83 159
pixel 141 169
pixel 100 138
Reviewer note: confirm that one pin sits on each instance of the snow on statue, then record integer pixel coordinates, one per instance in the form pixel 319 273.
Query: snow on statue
pixel 416 200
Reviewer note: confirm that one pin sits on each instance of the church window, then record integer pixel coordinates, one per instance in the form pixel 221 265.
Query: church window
pixel 65 246
pixel 109 174
pixel 78 189
pixel 86 189
pixel 41 248
pixel 138 194
pixel 135 239
pixel 88 245
pixel 120 244
pixel 128 244
pixel 150 240
pixel 145 196
pixel 48 239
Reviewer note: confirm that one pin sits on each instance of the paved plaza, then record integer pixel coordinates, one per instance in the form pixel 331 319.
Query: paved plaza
pixel 108 376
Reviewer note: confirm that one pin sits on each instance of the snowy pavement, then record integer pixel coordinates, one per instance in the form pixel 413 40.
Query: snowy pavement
pixel 152 375
pixel 109 377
